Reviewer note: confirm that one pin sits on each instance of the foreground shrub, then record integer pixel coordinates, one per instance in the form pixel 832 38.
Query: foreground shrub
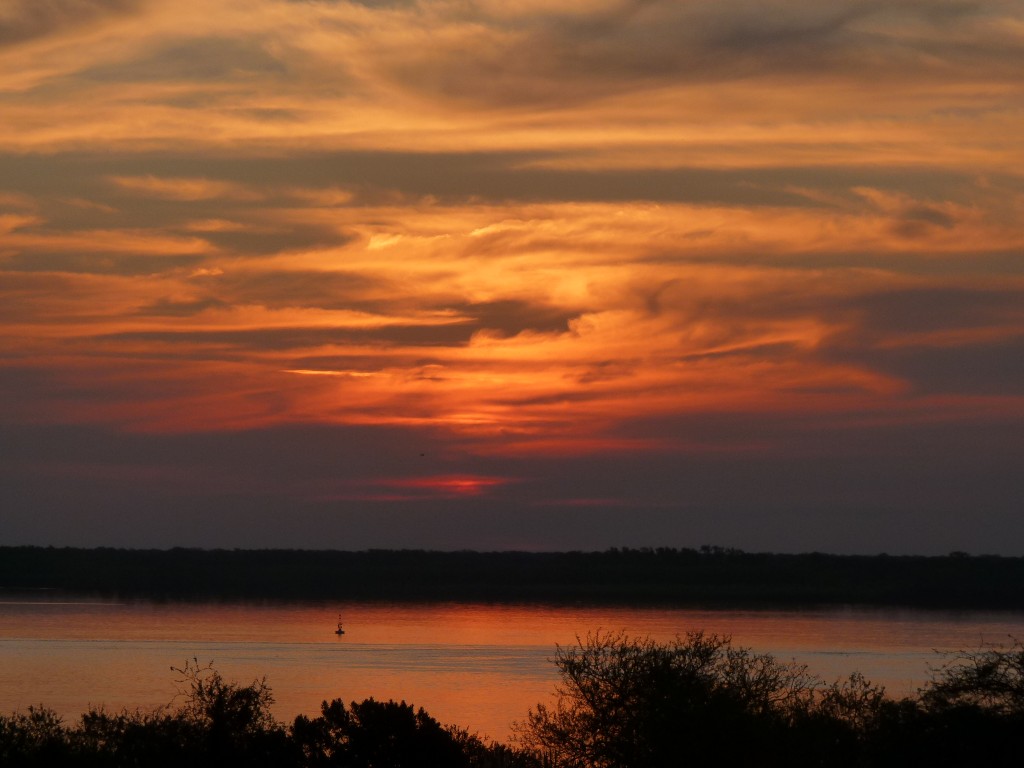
pixel 990 678
pixel 633 703
pixel 35 737
pixel 222 724
pixel 376 734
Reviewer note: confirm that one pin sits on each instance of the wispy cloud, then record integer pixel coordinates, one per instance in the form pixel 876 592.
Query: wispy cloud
pixel 24 20
pixel 186 189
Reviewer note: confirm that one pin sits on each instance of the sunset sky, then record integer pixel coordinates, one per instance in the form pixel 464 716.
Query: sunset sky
pixel 492 274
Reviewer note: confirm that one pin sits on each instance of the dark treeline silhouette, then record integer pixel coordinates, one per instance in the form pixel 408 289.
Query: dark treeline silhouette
pixel 705 576
pixel 621 703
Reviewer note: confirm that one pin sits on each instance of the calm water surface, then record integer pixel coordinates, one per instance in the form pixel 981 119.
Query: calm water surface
pixel 477 666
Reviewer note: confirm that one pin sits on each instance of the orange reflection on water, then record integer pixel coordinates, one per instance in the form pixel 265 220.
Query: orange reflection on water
pixel 477 666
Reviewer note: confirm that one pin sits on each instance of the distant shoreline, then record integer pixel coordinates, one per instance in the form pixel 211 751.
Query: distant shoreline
pixel 708 577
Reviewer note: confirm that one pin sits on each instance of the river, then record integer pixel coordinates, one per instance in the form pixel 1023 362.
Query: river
pixel 476 666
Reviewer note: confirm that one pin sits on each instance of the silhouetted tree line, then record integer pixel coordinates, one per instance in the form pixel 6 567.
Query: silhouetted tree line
pixel 622 703
pixel 705 576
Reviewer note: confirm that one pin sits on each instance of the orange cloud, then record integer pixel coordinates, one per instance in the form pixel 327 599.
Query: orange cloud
pixel 526 225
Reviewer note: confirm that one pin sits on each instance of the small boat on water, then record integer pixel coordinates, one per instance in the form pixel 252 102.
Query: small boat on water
pixel 339 630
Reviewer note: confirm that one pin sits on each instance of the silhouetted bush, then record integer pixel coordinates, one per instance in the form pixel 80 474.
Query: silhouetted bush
pixel 374 734
pixel 990 678
pixel 220 723
pixel 634 703
pixel 974 705
pixel 35 737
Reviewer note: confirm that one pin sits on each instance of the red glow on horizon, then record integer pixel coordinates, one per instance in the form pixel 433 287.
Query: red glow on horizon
pixel 454 485
pixel 410 489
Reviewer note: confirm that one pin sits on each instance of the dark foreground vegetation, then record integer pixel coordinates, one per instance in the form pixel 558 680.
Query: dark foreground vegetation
pixel 706 576
pixel 621 703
